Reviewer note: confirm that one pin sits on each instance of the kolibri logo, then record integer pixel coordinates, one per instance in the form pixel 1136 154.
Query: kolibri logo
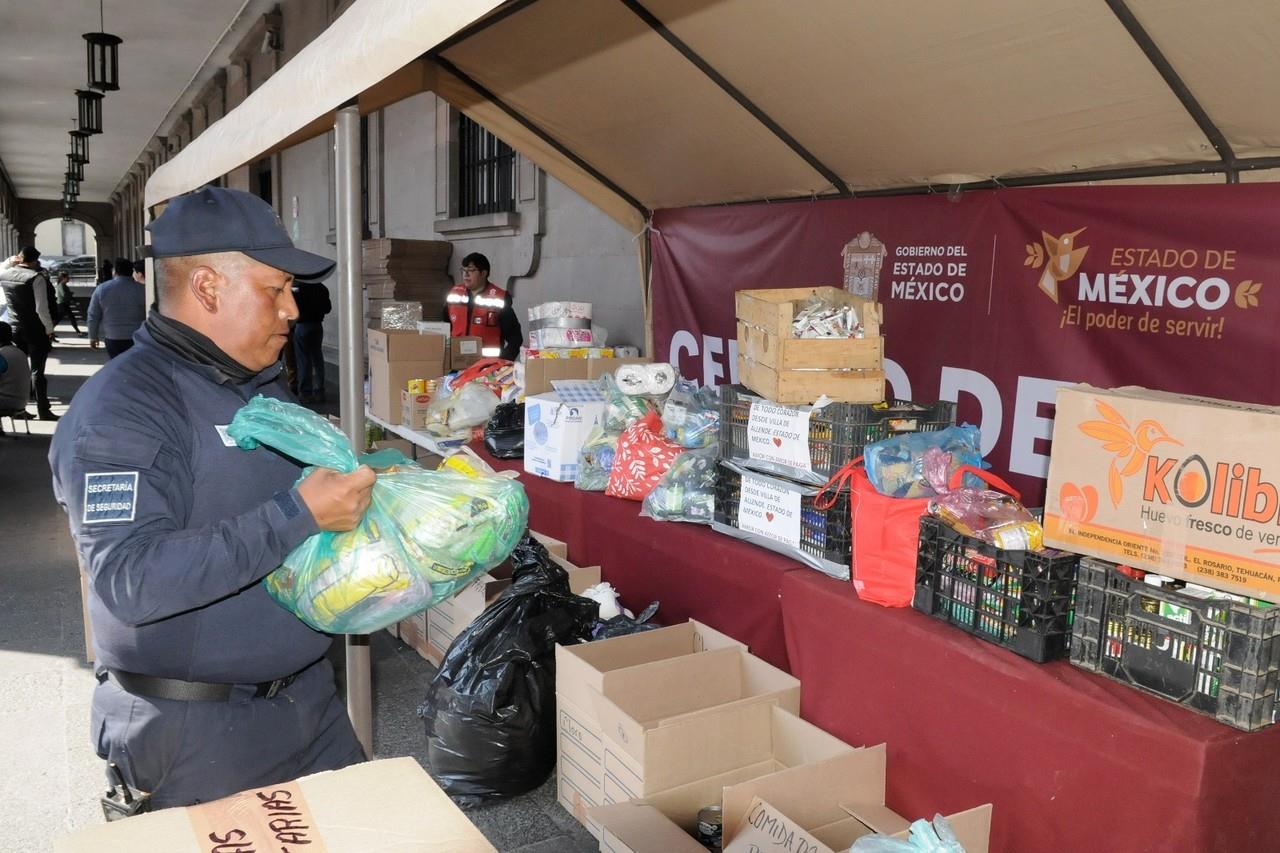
pixel 1231 489
pixel 1223 488
pixel 1154 277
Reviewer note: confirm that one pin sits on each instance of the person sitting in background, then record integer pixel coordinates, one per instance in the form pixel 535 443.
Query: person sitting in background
pixel 308 339
pixel 479 307
pixel 15 375
pixel 117 309
pixel 66 303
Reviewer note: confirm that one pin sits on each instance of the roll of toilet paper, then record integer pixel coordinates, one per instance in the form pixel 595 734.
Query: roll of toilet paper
pixel 659 379
pixel 631 379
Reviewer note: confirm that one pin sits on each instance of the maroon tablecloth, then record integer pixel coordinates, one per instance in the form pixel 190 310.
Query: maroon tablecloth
pixel 692 571
pixel 1071 761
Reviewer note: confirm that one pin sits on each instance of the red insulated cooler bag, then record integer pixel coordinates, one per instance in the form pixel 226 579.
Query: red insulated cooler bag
pixel 885 532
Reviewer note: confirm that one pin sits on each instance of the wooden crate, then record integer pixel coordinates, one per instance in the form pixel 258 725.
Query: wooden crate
pixel 800 387
pixel 785 369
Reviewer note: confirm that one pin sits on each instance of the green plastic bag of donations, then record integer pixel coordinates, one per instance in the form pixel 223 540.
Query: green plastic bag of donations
pixel 425 536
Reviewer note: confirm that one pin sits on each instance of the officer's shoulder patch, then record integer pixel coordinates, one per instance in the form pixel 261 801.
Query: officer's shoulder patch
pixel 110 496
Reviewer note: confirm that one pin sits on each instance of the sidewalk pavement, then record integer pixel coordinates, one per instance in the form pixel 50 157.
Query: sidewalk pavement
pixel 52 778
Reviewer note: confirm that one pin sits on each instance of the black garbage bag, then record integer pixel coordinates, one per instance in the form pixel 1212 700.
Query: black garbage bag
pixel 504 433
pixel 490 711
pixel 622 625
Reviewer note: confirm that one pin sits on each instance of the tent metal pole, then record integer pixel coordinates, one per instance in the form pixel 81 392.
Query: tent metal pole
pixel 346 153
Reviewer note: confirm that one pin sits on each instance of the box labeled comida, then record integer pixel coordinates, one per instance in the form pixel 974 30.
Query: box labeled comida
pixel 580 673
pixel 379 805
pixel 1180 485
pixel 819 807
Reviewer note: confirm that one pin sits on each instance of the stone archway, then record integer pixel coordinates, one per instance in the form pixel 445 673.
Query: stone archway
pixel 96 214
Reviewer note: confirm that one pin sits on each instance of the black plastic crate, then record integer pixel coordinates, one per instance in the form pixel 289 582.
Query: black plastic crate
pixel 1022 600
pixel 837 432
pixel 1219 657
pixel 824 534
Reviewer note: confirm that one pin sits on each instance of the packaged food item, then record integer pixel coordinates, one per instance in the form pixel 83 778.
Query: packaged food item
pixel 896 466
pixel 644 455
pixel 691 415
pixel 990 516
pixel 823 318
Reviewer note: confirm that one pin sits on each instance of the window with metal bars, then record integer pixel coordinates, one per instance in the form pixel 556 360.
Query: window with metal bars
pixel 486 171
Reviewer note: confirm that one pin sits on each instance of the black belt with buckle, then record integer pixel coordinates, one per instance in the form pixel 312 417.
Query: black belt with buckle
pixel 155 687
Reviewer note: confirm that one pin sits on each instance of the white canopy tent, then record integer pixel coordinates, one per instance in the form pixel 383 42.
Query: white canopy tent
pixel 646 104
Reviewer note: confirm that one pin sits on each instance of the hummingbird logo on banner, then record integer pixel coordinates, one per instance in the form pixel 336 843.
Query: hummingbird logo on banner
pixel 1060 257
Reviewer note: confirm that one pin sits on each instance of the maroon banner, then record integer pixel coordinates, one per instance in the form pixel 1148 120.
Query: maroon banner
pixel 996 298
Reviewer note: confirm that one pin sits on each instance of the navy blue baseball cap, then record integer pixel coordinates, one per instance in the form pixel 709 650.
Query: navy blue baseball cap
pixel 216 219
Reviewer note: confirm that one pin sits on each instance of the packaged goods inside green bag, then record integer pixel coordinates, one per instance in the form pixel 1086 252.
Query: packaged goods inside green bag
pixel 426 534
pixel 687 492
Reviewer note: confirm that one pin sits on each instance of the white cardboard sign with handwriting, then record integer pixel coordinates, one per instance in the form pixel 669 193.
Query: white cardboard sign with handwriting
pixel 778 434
pixel 768 508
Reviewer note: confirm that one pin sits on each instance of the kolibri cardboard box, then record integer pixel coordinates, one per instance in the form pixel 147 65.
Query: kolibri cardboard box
pixel 395 357
pixel 821 807
pixel 1180 485
pixel 554 432
pixel 580 672
pixel 379 805
pixel 646 716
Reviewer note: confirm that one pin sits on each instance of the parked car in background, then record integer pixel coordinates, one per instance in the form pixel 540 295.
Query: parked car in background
pixel 83 268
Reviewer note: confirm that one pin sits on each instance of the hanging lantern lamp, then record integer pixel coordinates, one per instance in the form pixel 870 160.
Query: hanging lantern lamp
pixel 75 167
pixel 103 53
pixel 90 118
pixel 80 146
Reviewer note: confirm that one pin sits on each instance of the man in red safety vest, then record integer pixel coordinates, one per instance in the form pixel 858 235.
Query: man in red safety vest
pixel 480 308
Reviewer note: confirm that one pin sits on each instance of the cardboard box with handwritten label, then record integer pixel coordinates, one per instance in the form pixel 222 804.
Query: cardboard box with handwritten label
pixel 378 805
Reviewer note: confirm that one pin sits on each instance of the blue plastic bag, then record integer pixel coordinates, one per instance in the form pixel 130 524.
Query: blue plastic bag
pixel 426 533
pixel 926 837
pixel 896 466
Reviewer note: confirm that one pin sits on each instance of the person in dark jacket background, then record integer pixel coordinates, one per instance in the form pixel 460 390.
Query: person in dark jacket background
pixel 308 339
pixel 27 291
pixel 207 686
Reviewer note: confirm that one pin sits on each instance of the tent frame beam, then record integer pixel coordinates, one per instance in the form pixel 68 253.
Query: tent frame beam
pixel 1175 83
pixel 655 24
pixel 528 125
pixel 1203 167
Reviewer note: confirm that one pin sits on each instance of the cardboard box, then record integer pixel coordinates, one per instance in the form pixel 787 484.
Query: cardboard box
pixel 718 752
pixel 676 721
pixel 395 357
pixel 389 345
pixel 554 432
pixel 580 672
pixel 822 807
pixel 413 409
pixel 379 805
pixel 1181 485
pixel 540 372
pixel 464 352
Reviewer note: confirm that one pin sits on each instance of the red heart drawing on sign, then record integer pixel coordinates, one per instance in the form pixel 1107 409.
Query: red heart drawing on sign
pixel 777 442
pixel 769 516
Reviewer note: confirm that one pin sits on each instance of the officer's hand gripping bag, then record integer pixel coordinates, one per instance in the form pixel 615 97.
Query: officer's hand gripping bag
pixel 490 711
pixel 426 533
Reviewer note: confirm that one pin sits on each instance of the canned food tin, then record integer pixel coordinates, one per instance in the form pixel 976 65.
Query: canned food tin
pixel 710 830
pixel 417 386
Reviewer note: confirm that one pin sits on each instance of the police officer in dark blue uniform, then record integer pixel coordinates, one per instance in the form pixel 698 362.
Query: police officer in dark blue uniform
pixel 206 685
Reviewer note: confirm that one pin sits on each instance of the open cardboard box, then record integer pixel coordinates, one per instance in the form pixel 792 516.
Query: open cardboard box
pixel 707 757
pixel 379 805
pixel 821 807
pixel 648 716
pixel 580 671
